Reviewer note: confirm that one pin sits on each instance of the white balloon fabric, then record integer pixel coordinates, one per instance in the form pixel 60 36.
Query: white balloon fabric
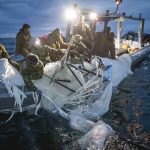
pixel 8 72
pixel 89 100
pixel 11 78
pixel 121 68
pixel 95 138
pixel 85 95
pixel 91 97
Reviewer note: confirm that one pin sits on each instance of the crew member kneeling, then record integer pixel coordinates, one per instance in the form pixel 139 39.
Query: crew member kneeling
pixel 32 69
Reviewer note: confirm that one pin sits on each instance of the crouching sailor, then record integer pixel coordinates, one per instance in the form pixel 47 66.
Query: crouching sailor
pixel 44 52
pixel 4 54
pixel 32 69
pixel 56 42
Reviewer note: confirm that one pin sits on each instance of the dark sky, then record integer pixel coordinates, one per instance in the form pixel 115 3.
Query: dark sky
pixel 45 15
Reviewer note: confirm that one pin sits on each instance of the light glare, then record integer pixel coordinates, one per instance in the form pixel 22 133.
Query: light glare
pixel 117 2
pixel 93 16
pixel 71 14
pixel 37 42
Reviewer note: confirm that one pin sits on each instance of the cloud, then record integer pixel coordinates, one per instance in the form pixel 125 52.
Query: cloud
pixel 45 15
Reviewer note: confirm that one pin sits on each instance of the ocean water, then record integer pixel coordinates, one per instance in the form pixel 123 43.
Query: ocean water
pixel 10 44
pixel 129 116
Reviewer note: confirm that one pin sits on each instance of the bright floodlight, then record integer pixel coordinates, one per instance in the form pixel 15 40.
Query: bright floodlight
pixel 117 2
pixel 71 14
pixel 37 42
pixel 93 16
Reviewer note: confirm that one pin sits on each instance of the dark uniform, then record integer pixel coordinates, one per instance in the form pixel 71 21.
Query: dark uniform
pixel 104 45
pixel 32 69
pixel 4 54
pixel 23 39
pixel 100 47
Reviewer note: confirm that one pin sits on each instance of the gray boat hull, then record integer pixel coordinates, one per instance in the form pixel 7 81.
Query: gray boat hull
pixel 140 55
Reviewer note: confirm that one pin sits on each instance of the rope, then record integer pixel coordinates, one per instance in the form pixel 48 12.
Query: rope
pixel 35 97
pixel 18 95
pixel 6 121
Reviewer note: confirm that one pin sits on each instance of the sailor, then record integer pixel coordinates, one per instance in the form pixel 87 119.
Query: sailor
pixel 104 45
pixel 32 69
pixel 111 45
pixel 4 54
pixel 100 46
pixel 43 51
pixel 56 41
pixel 80 51
pixel 107 31
pixel 84 30
pixel 23 40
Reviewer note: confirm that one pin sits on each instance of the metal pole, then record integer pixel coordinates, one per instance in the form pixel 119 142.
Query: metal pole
pixel 68 31
pixel 119 30
pixel 141 30
pixel 74 75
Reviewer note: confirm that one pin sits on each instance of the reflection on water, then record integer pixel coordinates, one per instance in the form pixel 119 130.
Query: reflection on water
pixel 129 116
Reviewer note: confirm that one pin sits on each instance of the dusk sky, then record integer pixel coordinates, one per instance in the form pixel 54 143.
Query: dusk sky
pixel 45 15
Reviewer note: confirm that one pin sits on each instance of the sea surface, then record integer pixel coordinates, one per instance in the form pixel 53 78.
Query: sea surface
pixel 9 43
pixel 129 116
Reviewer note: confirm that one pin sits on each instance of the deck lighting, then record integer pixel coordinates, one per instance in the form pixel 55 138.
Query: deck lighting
pixel 93 16
pixel 71 14
pixel 37 42
pixel 118 2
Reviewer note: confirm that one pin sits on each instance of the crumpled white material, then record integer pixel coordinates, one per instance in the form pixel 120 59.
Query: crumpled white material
pixel 98 107
pixel 11 78
pixel 95 133
pixel 121 68
pixel 87 103
pixel 7 71
pixel 80 123
pixel 54 91
pixel 99 97
pixel 83 109
pixel 95 138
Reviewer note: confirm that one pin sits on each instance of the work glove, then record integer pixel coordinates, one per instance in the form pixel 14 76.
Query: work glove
pixel 73 52
pixel 61 51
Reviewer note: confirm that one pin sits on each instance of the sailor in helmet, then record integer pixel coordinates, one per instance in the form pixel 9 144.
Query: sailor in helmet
pixel 80 51
pixel 32 69
pixel 84 30
pixel 56 41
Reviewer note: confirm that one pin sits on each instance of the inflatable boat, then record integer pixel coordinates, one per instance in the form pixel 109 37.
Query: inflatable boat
pixel 78 92
pixel 137 47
